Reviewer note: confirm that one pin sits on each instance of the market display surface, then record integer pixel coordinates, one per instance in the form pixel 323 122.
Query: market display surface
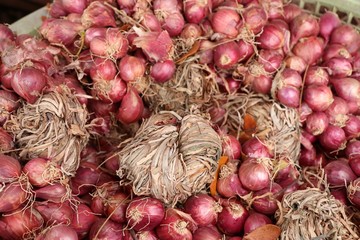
pixel 181 120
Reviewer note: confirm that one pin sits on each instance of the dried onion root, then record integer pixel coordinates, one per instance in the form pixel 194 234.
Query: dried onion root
pixel 170 157
pixel 277 126
pixel 54 128
pixel 314 214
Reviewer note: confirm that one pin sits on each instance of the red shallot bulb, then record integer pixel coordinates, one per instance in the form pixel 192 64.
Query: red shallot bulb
pixel 254 221
pixel 328 22
pixel 353 192
pixel 339 67
pixel 226 21
pixel 191 31
pixel 131 68
pixel 106 229
pixel 231 147
pixel 316 123
pixel 196 11
pixel 318 97
pixel 112 45
pixel 352 149
pixel 347 36
pixel 6 141
pixel 229 184
pixel 333 138
pixel 174 23
pixel 255 18
pixel 339 173
pixel 42 172
pixel 304 25
pixel 145 213
pixel 335 51
pixel 347 88
pixel 254 175
pixel 203 209
pixel 316 75
pixel 352 126
pixel 267 198
pixel 289 96
pixel 10 168
pixel 97 14
pixel 29 83
pixel 271 59
pixel 163 71
pixel 232 217
pixel 176 225
pixel 338 112
pixel 291 11
pixel 309 49
pixel 254 148
pixel 226 55
pixel 207 232
pixel 131 107
pixel 74 6
pixel 103 69
pixel 271 37
pixel 60 31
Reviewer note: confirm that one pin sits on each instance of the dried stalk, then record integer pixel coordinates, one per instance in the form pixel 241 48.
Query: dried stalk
pixel 52 128
pixel 314 214
pixel 170 157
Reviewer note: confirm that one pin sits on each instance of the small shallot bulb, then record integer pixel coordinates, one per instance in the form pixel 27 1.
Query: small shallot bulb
pixel 203 208
pixel 254 175
pixel 316 123
pixel 226 21
pixel 272 37
pixel 255 18
pixel 309 49
pixel 316 75
pixel 318 97
pixel 227 55
pixel 196 11
pixel 304 25
pixel 163 71
pixel 131 68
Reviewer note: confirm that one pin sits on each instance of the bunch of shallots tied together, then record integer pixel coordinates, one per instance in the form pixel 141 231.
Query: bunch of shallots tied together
pixel 170 157
pixel 98 138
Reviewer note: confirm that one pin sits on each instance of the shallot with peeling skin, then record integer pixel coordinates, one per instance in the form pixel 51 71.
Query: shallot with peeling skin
pixel 226 21
pixel 60 31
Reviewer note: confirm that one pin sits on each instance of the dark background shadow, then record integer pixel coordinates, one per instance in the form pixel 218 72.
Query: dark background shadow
pixel 13 10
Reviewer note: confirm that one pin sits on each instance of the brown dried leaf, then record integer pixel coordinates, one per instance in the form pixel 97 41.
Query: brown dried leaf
pixel 265 232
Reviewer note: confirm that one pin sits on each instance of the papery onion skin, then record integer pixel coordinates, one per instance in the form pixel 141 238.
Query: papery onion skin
pixel 145 213
pixel 335 50
pixel 338 112
pixel 254 175
pixel 339 173
pixel 203 209
pixel 232 218
pixel 254 221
